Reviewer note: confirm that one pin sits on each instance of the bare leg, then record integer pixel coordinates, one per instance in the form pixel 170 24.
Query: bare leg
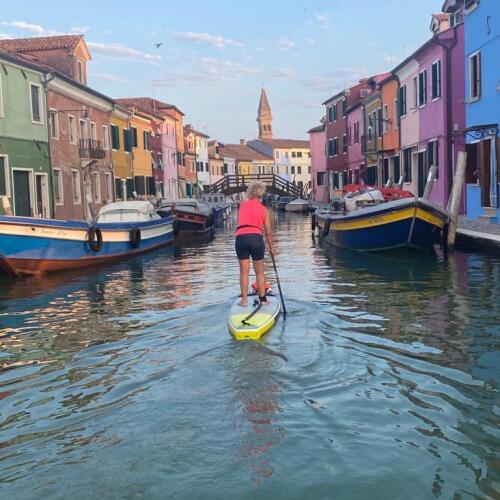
pixel 244 270
pixel 258 265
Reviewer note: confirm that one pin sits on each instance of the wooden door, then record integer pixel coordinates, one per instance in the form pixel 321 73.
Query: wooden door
pixel 22 193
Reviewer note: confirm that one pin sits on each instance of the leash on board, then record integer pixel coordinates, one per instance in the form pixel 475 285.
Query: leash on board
pixel 279 285
pixel 244 321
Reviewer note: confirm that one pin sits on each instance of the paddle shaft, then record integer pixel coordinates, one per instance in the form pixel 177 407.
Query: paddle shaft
pixel 279 285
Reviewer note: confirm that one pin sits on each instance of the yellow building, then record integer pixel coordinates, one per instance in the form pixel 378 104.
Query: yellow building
pixel 247 159
pixel 122 159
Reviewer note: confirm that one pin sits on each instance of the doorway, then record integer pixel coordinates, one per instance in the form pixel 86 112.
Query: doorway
pixel 22 193
pixel 421 176
pixel 42 196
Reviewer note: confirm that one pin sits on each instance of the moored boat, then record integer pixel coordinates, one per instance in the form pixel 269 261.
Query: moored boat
pixel 191 215
pixel 30 246
pixel 282 202
pixel 408 222
pixel 299 205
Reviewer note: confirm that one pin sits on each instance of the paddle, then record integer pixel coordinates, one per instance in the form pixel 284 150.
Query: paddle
pixel 279 285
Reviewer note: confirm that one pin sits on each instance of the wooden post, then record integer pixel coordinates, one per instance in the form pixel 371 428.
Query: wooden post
pixel 455 197
pixel 6 206
pixel 430 182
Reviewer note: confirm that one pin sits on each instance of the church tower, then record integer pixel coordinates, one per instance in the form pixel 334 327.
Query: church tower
pixel 264 117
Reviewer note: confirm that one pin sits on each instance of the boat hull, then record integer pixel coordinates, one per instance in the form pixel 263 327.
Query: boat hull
pixel 412 223
pixel 36 246
pixel 194 222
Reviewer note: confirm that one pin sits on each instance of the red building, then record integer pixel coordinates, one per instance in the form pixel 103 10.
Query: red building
pixel 336 130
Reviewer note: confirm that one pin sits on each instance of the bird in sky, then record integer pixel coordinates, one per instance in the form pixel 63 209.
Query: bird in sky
pixel 158 45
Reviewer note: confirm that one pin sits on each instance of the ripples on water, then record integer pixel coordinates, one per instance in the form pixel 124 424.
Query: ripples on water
pixel 382 382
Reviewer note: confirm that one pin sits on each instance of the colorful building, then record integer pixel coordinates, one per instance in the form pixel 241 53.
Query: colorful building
pixel 25 177
pixel 319 176
pixel 121 158
pixel 355 157
pixel 371 140
pixel 202 159
pixel 190 161
pixel 482 95
pixel 247 160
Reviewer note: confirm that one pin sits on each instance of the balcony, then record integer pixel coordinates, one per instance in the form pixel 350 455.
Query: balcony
pixel 90 149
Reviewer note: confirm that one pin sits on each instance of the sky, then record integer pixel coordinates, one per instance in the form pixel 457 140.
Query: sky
pixel 215 55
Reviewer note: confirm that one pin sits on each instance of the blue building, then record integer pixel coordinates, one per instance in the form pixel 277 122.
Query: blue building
pixel 482 94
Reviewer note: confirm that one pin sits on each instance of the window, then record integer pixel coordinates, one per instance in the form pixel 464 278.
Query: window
pixel 415 92
pixel 349 135
pixel 320 178
pixel 75 186
pixel 422 88
pixel 385 119
pixel 72 129
pixel 370 126
pixel 294 155
pixel 277 154
pixel 119 189
pixel 58 186
pixel 134 138
pixel 115 137
pixel 456 18
pixel 378 118
pixel 309 169
pixel 36 109
pixel 407 165
pixel 286 155
pixel 402 100
pixel 344 143
pixel 292 170
pixel 396 113
pixel 1 98
pixel 79 67
pixel 97 186
pixel 146 135
pixel 127 140
pixel 330 114
pixel 432 156
pixel 105 136
pixel 330 147
pixel 344 106
pixel 475 76
pixel 53 124
pixel 436 79
pixel 335 146
pixel 299 154
pixel 93 131
pixel 299 170
pixel 83 129
pixel 334 112
pixel 225 168
pixel 109 187
pixel 356 132
pixel 4 179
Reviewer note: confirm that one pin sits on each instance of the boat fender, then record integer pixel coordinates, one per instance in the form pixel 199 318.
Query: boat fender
pixel 95 238
pixel 326 228
pixel 313 222
pixel 135 237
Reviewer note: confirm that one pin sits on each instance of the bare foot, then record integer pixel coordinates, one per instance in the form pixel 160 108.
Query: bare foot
pixel 243 303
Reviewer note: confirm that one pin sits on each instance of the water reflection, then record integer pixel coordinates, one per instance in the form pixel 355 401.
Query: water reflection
pixel 382 380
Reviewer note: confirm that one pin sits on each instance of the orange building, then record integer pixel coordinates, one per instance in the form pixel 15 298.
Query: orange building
pixel 390 129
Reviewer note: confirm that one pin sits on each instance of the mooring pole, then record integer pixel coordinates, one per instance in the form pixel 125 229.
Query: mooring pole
pixel 430 182
pixel 456 196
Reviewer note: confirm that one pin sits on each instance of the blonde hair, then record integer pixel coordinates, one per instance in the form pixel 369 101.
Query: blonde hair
pixel 256 189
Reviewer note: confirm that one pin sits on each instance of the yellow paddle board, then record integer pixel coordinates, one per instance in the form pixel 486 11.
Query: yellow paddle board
pixel 261 322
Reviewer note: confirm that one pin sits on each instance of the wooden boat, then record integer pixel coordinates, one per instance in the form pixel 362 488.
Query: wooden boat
pixel 191 215
pixel 30 246
pixel 408 222
pixel 299 205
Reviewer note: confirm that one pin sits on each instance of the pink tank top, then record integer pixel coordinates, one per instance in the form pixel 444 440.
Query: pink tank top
pixel 251 217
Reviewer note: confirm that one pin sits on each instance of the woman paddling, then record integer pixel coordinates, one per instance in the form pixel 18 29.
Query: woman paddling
pixel 253 220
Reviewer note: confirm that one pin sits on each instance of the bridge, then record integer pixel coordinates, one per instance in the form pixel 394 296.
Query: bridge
pixel 232 184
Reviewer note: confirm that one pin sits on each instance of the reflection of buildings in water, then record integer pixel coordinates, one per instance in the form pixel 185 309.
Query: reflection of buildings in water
pixel 424 299
pixel 256 401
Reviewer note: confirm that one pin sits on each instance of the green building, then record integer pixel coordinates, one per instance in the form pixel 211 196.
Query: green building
pixel 25 176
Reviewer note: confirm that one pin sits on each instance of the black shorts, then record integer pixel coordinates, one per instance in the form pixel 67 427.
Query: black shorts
pixel 250 245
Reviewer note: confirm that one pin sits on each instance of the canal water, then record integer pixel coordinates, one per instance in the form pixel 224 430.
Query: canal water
pixel 381 383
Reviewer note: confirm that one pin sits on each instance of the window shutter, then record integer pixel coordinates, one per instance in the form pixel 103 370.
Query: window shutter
pixel 478 64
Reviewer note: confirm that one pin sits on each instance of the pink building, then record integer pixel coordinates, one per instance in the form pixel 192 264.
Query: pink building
pixel 355 158
pixel 169 150
pixel 319 177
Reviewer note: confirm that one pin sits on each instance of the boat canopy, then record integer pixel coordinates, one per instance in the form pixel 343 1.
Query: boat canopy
pixel 128 211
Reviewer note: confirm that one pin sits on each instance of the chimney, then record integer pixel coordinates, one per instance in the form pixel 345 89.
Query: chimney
pixel 243 142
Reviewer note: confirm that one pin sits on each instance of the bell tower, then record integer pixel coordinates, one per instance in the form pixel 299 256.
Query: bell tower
pixel 264 117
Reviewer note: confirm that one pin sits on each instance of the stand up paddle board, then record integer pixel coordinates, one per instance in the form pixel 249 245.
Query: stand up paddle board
pixel 251 322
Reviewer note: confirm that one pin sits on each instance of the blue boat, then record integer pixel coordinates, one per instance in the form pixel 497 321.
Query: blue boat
pixel 30 246
pixel 409 222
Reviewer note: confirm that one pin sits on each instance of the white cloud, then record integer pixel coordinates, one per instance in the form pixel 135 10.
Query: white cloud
pixel 123 52
pixel 32 28
pixel 5 36
pixel 283 73
pixel 216 40
pixel 311 40
pixel 321 18
pixel 285 44
pixel 109 77
pixel 335 80
pixel 79 30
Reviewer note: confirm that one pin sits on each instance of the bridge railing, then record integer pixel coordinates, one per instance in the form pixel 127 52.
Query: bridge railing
pixel 275 184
